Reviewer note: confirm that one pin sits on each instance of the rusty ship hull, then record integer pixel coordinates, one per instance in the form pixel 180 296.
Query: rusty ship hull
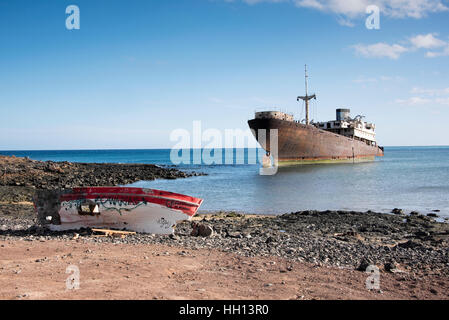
pixel 300 143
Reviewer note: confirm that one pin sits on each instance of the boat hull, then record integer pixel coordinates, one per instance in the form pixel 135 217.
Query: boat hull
pixel 299 143
pixel 133 209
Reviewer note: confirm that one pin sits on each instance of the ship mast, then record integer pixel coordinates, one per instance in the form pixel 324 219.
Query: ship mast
pixel 306 98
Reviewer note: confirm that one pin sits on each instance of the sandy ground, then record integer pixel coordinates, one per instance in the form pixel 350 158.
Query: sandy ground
pixel 37 270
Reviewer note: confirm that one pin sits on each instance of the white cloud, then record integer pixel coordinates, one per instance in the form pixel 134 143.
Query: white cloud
pixel 251 2
pixel 389 78
pixel 345 22
pixel 426 96
pixel 348 8
pixel 427 41
pixel 430 92
pixel 413 101
pixel 380 50
pixel 394 51
pixel 364 79
pixel 356 8
pixel 434 54
pixel 412 8
pixel 442 101
pixel 216 100
pixel 314 4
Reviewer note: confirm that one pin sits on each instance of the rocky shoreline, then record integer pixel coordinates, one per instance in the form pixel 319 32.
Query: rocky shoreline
pixel 405 244
pixel 19 177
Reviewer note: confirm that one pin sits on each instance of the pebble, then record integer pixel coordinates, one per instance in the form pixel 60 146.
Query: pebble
pixel 308 237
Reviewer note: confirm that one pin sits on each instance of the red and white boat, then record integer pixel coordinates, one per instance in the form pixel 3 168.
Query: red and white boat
pixel 133 209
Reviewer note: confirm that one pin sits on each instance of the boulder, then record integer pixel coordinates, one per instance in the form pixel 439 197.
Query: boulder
pixel 201 230
pixel 410 244
pixel 391 266
pixel 364 264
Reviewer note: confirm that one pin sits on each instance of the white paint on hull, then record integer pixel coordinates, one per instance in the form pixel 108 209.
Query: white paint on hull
pixel 143 217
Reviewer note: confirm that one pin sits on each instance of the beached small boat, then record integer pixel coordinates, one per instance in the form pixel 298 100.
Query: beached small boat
pixel 134 209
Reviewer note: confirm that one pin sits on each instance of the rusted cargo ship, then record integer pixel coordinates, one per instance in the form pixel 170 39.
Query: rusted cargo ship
pixel 345 139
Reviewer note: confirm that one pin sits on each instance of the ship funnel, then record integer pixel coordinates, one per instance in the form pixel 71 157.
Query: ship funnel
pixel 343 114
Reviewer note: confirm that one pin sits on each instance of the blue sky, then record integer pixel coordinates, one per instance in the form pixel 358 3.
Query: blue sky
pixel 137 70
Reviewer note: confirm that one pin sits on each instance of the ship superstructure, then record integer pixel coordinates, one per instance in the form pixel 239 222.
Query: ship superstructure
pixel 344 139
pixel 354 128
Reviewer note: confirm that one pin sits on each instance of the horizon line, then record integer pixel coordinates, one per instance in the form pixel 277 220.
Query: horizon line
pixel 142 149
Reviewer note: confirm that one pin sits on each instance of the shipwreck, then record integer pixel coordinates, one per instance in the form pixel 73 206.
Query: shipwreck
pixel 122 208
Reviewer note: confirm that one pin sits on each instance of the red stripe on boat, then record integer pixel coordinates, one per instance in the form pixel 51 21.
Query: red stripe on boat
pixel 188 205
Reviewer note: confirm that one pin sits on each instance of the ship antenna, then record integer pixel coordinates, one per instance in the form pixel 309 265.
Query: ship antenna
pixel 305 73
pixel 306 98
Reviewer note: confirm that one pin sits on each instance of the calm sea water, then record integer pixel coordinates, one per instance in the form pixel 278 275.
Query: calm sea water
pixel 412 178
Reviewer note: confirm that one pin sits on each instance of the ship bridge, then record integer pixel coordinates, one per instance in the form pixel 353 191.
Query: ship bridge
pixel 354 128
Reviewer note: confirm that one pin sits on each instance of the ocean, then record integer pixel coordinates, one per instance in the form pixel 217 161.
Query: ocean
pixel 411 178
